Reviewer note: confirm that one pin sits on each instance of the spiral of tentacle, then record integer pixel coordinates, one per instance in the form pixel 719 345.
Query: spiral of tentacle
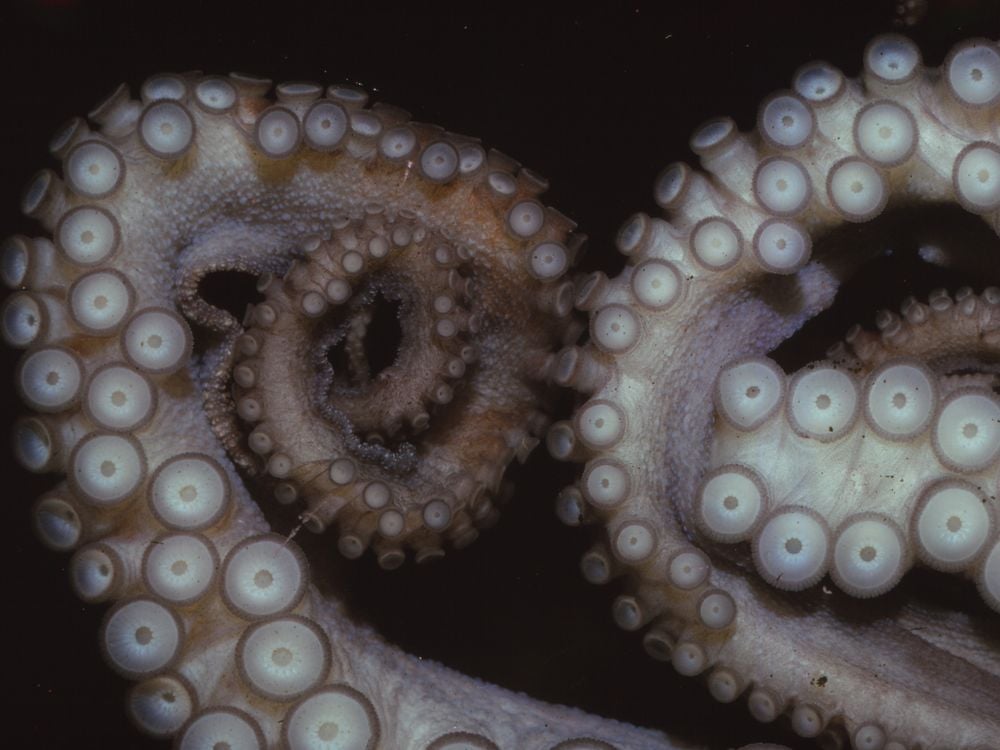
pixel 409 454
pixel 727 488
pixel 147 398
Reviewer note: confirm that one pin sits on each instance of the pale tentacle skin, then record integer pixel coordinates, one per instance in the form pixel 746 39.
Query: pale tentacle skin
pixel 796 466
pixel 226 615
pixel 537 726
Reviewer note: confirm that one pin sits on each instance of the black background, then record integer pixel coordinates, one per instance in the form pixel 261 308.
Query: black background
pixel 598 100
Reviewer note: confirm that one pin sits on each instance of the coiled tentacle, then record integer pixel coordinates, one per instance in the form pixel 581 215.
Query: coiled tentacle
pixel 148 397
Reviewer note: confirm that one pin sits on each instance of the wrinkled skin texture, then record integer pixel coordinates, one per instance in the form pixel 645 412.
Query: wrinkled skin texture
pixel 715 102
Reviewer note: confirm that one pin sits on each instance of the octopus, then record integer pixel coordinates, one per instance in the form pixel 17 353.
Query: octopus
pixel 812 539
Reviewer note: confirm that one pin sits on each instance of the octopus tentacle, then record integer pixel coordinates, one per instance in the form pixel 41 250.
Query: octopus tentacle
pixel 372 471
pixel 861 466
pixel 338 204
pixel 898 419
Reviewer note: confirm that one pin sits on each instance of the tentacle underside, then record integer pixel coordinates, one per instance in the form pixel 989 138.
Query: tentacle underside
pixel 161 410
pixel 214 616
pixel 884 456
